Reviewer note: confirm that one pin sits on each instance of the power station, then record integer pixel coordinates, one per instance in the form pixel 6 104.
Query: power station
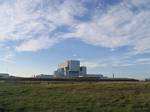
pixel 70 69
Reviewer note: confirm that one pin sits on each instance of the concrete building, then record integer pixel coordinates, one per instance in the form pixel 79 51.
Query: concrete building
pixel 83 71
pixel 100 76
pixel 44 76
pixel 147 79
pixel 70 69
pixel 4 75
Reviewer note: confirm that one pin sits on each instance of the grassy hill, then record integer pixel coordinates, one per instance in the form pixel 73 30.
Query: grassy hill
pixel 75 97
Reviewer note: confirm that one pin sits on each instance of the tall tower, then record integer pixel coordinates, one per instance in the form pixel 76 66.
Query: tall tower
pixel 113 75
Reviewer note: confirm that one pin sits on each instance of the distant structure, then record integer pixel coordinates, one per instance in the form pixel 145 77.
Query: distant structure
pixel 113 75
pixel 100 76
pixel 148 79
pixel 4 75
pixel 72 69
pixel 44 76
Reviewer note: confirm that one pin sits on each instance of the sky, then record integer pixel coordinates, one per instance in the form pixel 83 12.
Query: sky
pixel 107 36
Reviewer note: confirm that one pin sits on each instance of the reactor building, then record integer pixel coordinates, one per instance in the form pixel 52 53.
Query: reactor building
pixel 70 69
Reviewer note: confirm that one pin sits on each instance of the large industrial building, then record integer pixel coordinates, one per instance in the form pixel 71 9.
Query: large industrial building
pixel 72 69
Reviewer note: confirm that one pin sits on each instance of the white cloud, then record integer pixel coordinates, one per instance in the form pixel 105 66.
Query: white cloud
pixel 31 21
pixel 122 60
pixel 8 57
pixel 90 64
pixel 33 24
pixel 139 2
pixel 106 63
pixel 64 13
pixel 120 26
pixel 143 61
pixel 6 54
pixel 36 44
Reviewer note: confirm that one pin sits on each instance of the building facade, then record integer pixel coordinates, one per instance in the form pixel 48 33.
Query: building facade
pixel 70 69
pixel 4 75
pixel 44 76
pixel 99 76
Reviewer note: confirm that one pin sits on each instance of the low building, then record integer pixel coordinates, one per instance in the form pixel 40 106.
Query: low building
pixel 148 79
pixel 4 75
pixel 95 76
pixel 44 76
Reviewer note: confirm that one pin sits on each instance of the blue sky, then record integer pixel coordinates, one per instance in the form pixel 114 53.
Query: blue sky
pixel 108 36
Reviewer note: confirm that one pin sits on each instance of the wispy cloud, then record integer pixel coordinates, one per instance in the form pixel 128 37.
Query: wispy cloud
pixel 143 61
pixel 6 54
pixel 36 44
pixel 119 26
pixel 90 64
pixel 36 24
pixel 35 21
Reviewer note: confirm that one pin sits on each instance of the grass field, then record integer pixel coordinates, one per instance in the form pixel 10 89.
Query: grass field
pixel 75 97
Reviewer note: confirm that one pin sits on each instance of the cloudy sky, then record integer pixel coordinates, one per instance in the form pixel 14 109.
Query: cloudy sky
pixel 108 36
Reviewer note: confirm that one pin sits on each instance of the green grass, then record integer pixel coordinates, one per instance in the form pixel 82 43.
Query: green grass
pixel 75 97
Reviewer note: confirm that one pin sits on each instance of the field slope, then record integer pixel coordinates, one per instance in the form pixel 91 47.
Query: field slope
pixel 75 97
